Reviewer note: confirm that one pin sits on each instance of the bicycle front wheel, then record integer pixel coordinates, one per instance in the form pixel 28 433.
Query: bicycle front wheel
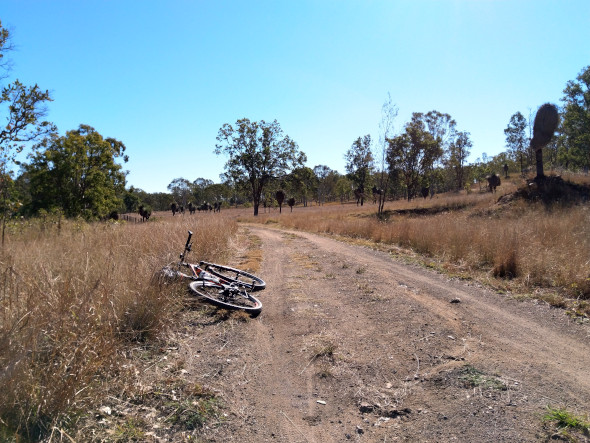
pixel 233 275
pixel 227 297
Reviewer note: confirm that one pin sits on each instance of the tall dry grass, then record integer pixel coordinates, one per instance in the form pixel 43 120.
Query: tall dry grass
pixel 73 296
pixel 532 245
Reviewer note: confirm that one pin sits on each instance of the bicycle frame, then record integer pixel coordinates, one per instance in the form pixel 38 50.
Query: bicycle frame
pixel 197 272
pixel 229 292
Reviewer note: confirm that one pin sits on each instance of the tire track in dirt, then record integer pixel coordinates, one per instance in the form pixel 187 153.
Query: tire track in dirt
pixel 382 349
pixel 534 335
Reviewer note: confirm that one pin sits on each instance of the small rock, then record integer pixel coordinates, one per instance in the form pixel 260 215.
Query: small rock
pixel 321 402
pixel 456 300
pixel 359 430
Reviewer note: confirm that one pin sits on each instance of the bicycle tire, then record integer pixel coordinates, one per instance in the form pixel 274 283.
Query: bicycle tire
pixel 235 275
pixel 218 295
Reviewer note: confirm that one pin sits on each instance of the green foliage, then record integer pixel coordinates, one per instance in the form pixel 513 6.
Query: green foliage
pixel 217 192
pixel 78 173
pixel 473 377
pixel 258 153
pixel 326 183
pixel 180 188
pixel 159 201
pixel 359 163
pixel 304 183
pixel 22 109
pixel 412 154
pixel 456 158
pixel 131 200
pixel 574 142
pixel 130 430
pixel 516 139
pixel 192 414
pixel 443 130
pixel 23 120
pixel 199 191
pixel 343 188
pixel 567 421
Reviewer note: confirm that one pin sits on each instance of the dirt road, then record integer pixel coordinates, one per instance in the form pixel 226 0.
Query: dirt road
pixel 353 345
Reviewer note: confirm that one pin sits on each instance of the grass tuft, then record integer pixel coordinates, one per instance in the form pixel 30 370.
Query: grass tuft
pixel 507 267
pixel 566 422
pixel 474 378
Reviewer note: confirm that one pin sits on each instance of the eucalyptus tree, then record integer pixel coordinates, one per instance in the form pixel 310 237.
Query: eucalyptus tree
pixel 198 190
pixel 323 176
pixel 386 127
pixel 343 188
pixel 239 188
pixel 258 153
pixel 516 139
pixel 79 174
pixel 22 110
pixel 359 164
pixel 575 128
pixel 217 192
pixel 303 182
pixel 330 182
pixel 456 158
pixel 181 189
pixel 412 153
pixel 443 129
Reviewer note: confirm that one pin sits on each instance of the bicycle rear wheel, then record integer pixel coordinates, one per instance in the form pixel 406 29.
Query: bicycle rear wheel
pixel 169 273
pixel 233 275
pixel 227 297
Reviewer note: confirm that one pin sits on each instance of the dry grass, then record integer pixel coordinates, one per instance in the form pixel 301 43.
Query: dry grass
pixel 516 244
pixel 77 299
pixel 73 298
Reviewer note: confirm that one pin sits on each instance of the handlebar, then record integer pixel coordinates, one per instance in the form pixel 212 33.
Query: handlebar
pixel 187 246
pixel 188 240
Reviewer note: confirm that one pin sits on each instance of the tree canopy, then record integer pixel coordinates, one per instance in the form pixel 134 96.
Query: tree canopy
pixel 78 174
pixel 575 138
pixel 456 158
pixel 412 154
pixel 360 163
pixel 258 153
pixel 516 139
pixel 22 109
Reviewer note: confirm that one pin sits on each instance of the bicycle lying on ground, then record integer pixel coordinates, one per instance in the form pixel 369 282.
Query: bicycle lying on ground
pixel 220 285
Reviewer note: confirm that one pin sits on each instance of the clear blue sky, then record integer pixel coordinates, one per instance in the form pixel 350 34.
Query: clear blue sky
pixel 164 76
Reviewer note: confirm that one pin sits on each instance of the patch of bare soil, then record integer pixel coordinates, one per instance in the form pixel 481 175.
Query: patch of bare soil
pixel 353 345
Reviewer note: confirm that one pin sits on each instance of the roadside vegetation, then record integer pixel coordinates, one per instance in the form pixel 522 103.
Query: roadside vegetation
pixel 78 304
pixel 568 425
pixel 503 239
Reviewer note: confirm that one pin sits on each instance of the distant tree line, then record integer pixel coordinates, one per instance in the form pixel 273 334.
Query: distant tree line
pixel 80 174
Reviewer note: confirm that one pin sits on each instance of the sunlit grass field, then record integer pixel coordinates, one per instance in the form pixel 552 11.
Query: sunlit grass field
pixel 73 297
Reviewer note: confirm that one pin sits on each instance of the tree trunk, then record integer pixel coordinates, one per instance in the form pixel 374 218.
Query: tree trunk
pixel 539 158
